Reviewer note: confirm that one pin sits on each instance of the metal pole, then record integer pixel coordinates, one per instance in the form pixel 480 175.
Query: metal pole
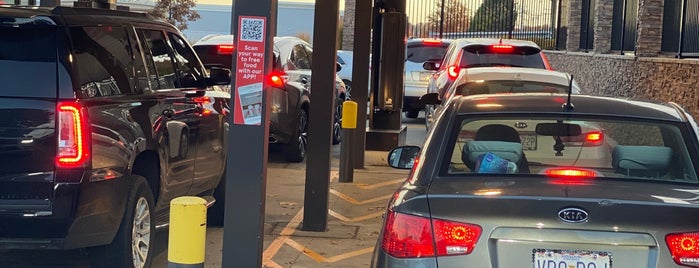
pixel 246 175
pixel 317 190
pixel 360 75
pixel 349 124
pixel 441 22
pixel 511 22
pixel 623 27
pixel 558 25
pixel 683 18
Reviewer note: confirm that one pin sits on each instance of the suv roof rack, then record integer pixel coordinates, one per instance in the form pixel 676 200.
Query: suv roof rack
pixel 97 8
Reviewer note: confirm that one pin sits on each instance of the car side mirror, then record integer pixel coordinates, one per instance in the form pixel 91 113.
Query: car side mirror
pixel 219 76
pixel 430 99
pixel 430 65
pixel 403 157
pixel 338 67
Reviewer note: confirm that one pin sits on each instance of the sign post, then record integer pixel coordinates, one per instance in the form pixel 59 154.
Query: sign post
pixel 254 26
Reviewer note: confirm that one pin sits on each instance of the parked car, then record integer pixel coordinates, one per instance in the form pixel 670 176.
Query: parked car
pixel 106 117
pixel 481 52
pixel 483 200
pixel 496 80
pixel 345 59
pixel 415 77
pixel 290 88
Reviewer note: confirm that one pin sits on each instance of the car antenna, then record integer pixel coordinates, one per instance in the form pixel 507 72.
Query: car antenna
pixel 568 106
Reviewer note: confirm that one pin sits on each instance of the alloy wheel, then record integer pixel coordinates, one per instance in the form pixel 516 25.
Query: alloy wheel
pixel 141 233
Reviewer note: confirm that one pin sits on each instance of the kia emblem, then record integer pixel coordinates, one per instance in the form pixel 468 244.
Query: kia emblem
pixel 573 215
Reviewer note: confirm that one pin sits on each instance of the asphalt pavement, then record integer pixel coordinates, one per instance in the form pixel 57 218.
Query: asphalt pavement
pixel 354 218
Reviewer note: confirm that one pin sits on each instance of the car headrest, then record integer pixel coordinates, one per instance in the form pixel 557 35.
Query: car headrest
pixel 497 132
pixel 649 160
pixel 511 151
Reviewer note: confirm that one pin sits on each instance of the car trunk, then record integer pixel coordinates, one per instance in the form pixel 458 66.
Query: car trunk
pixel 27 119
pixel 521 226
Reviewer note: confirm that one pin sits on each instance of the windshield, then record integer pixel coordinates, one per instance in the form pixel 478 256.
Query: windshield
pixel 25 55
pixel 508 86
pixel 484 56
pixel 524 144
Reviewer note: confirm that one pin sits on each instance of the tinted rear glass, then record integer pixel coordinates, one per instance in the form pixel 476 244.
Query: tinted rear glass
pixel 593 147
pixel 421 53
pixel 27 54
pixel 483 56
pixel 508 86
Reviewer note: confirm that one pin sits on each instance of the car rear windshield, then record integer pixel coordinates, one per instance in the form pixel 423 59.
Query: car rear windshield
pixel 508 86
pixel 27 62
pixel 495 55
pixel 420 53
pixel 567 146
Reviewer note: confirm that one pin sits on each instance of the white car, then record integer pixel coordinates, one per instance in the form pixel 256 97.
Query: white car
pixel 415 78
pixel 498 80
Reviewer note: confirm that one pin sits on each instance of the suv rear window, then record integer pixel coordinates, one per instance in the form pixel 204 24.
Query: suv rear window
pixel 512 56
pixel 25 55
pixel 420 53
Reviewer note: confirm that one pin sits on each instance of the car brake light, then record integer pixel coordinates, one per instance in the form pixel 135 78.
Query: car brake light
pixel 684 248
pixel 589 139
pixel 576 173
pixel 277 79
pixel 225 49
pixel 73 136
pixel 594 137
pixel 408 236
pixel 202 101
pixel 502 48
pixel 453 71
pixel 432 42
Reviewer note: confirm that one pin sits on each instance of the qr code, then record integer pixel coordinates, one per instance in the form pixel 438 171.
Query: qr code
pixel 252 30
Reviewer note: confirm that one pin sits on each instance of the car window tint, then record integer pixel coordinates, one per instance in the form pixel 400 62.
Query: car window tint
pixel 164 76
pixel 613 148
pixel 422 53
pixel 508 86
pixel 483 56
pixel 188 67
pixel 298 57
pixel 26 54
pixel 104 61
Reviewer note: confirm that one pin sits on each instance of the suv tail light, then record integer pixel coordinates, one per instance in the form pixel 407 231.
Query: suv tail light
pixel 432 42
pixel 453 71
pixel 225 49
pixel 408 236
pixel 589 139
pixel 73 131
pixel 277 79
pixel 684 248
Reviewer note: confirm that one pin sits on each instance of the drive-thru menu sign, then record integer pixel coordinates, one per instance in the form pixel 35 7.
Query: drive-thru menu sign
pixel 250 65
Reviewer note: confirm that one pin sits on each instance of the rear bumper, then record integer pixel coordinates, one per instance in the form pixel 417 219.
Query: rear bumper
pixel 81 215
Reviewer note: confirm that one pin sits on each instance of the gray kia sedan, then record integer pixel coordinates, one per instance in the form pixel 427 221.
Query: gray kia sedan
pixel 501 182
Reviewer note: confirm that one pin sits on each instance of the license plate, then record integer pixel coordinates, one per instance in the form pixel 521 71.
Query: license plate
pixel 559 258
pixel 528 142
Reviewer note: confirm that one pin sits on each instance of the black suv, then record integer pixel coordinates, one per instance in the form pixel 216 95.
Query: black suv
pixel 105 117
pixel 290 86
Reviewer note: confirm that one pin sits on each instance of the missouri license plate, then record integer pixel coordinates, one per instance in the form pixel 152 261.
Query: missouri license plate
pixel 528 141
pixel 560 258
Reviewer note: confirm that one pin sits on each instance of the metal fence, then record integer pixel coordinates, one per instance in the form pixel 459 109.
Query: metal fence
pixel 624 25
pixel 587 25
pixel 681 27
pixel 535 20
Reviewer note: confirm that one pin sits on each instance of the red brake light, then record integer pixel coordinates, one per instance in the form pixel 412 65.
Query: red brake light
pixel 432 42
pixel 73 136
pixel 408 236
pixel 203 100
pixel 225 49
pixel 575 173
pixel 684 248
pixel 594 137
pixel 502 48
pixel 277 79
pixel 454 238
pixel 453 71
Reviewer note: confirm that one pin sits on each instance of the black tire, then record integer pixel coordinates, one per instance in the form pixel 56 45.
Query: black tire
pixel 215 214
pixel 119 254
pixel 412 113
pixel 337 123
pixel 295 150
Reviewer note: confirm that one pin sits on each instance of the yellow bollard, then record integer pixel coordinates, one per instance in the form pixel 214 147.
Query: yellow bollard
pixel 187 235
pixel 349 123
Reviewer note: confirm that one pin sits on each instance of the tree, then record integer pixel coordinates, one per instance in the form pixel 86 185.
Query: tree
pixel 456 16
pixel 494 16
pixel 176 12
